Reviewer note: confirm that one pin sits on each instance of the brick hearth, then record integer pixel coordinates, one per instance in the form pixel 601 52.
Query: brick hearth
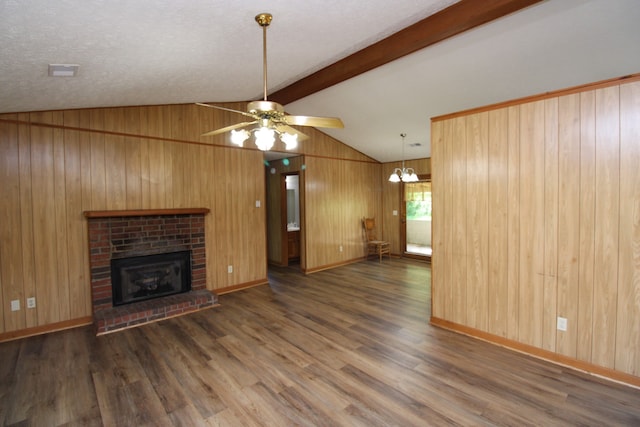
pixel 127 316
pixel 121 234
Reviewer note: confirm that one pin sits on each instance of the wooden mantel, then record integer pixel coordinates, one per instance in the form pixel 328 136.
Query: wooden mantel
pixel 145 212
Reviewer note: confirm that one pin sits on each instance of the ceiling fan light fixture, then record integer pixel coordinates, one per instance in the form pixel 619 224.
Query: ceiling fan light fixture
pixel 238 137
pixel 290 140
pixel 265 138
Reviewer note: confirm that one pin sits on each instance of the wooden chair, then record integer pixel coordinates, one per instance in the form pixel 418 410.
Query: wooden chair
pixel 374 246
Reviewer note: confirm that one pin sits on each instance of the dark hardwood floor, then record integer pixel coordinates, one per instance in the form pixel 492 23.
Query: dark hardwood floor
pixel 346 347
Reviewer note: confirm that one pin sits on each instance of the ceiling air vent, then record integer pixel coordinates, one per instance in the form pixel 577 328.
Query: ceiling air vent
pixel 63 70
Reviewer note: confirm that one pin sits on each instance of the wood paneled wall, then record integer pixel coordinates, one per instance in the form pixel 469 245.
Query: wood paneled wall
pixel 338 186
pixel 337 194
pixel 368 188
pixel 537 216
pixel 108 159
pixel 334 195
pixel 55 165
pixel 52 174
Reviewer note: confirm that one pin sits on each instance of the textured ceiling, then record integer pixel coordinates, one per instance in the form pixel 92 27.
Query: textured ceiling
pixel 134 52
pixel 145 52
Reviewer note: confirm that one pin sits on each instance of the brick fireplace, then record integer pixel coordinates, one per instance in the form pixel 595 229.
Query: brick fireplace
pixel 118 235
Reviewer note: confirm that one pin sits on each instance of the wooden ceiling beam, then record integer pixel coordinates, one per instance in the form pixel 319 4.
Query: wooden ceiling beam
pixel 455 19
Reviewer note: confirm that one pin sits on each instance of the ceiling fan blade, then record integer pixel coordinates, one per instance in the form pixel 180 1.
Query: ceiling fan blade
pixel 244 113
pixel 228 128
pixel 288 129
pixel 320 122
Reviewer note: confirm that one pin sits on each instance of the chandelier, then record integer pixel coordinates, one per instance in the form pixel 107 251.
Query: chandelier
pixel 404 174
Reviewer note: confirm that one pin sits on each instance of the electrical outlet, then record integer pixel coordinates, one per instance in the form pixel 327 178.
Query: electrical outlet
pixel 31 302
pixel 258 204
pixel 562 323
pixel 340 248
pixel 15 305
pixel 230 269
pixel 395 212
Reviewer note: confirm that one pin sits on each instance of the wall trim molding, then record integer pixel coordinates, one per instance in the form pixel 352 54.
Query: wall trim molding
pixel 146 212
pixel 553 94
pixel 4 119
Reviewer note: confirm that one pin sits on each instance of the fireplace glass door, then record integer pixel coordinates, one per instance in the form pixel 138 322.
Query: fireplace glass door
pixel 150 276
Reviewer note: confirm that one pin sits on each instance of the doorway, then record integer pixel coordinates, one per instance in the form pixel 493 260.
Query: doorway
pixel 290 219
pixel 416 218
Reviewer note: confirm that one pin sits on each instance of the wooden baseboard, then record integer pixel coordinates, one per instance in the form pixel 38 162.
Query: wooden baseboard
pixel 570 362
pixel 45 329
pixel 330 266
pixel 241 286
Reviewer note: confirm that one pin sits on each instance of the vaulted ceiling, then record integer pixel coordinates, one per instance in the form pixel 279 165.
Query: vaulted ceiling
pixel 350 59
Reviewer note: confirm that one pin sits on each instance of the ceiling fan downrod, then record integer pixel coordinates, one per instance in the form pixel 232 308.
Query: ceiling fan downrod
pixel 264 19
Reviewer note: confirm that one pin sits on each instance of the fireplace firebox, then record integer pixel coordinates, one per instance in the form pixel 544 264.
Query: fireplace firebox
pixel 150 276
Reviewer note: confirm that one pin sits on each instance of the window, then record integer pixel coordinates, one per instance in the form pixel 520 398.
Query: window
pixel 418 200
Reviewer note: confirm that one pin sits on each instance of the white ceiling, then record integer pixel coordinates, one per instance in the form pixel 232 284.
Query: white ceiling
pixel 146 52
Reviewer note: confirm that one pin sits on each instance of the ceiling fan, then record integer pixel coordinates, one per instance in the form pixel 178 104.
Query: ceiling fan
pixel 267 117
